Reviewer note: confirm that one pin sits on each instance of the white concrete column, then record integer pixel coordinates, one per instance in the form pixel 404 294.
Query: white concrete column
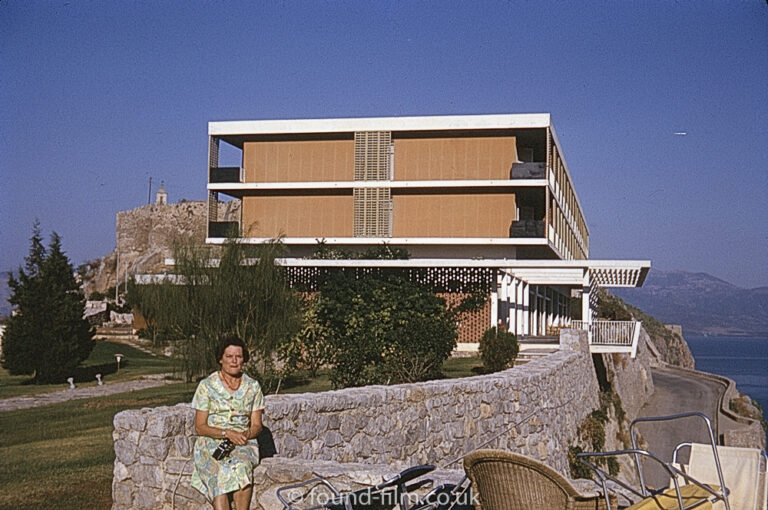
pixel 525 310
pixel 511 299
pixel 514 320
pixel 494 309
pixel 533 328
pixel 586 309
pixel 549 302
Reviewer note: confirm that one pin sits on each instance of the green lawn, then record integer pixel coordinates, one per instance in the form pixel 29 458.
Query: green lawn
pixel 135 363
pixel 454 368
pixel 61 455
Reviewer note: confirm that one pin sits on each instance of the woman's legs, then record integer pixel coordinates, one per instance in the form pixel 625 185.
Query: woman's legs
pixel 242 498
pixel 221 502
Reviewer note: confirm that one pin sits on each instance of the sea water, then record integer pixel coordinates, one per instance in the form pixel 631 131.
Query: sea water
pixel 742 359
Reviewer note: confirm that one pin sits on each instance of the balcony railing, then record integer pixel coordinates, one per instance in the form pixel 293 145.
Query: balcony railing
pixel 611 336
pixel 225 174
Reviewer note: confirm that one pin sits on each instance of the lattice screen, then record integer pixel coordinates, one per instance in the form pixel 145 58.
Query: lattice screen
pixel 373 206
pixel 593 300
pixel 373 212
pixel 213 162
pixel 372 155
pixel 213 206
pixel 455 280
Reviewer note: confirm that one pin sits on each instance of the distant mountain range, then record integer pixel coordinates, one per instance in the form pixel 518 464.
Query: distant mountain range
pixel 701 303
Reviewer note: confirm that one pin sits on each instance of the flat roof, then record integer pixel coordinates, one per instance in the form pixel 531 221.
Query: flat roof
pixel 422 123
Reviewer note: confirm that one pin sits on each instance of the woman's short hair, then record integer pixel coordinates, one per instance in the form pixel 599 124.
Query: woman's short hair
pixel 231 340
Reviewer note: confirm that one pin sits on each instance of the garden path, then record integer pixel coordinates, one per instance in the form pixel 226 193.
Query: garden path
pixel 41 399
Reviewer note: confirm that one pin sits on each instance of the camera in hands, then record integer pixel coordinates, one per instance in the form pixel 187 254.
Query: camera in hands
pixel 223 450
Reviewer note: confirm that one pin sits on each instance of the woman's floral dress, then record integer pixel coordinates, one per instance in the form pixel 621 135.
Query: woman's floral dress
pixel 228 411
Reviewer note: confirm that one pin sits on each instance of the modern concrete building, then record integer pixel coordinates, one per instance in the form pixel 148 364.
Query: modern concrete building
pixel 465 195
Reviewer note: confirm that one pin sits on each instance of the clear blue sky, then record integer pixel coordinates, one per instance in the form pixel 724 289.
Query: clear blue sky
pixel 96 97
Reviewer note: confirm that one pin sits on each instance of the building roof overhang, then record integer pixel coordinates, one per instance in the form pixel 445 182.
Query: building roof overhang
pixel 573 273
pixel 350 125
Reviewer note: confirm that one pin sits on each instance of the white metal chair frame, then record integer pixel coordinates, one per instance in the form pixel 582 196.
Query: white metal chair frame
pixel 643 491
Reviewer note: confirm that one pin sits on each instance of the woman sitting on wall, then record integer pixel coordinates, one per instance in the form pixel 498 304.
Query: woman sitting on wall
pixel 228 406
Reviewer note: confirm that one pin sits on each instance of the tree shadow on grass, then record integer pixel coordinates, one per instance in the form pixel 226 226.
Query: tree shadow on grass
pixel 87 374
pixel 80 374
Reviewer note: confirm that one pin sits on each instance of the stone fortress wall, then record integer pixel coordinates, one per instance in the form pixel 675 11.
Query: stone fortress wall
pixel 535 409
pixel 146 236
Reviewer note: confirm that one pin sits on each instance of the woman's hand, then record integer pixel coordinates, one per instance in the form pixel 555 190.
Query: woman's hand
pixel 239 438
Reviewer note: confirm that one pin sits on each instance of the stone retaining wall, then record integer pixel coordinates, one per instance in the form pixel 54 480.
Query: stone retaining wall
pixel 535 409
pixel 631 378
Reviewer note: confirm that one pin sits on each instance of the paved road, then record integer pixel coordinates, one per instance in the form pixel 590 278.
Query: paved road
pixel 677 392
pixel 41 399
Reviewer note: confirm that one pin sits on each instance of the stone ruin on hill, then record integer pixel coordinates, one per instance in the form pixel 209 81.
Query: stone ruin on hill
pixel 146 236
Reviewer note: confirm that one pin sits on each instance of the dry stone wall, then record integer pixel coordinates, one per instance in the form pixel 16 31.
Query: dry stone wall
pixel 534 409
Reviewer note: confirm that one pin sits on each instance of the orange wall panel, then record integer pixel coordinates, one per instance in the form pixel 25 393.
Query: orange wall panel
pixel 453 215
pixel 298 216
pixel 298 161
pixel 454 158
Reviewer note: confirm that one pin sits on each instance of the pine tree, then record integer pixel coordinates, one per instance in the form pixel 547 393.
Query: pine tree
pixel 46 335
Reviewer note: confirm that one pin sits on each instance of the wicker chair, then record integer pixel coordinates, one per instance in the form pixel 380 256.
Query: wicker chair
pixel 508 481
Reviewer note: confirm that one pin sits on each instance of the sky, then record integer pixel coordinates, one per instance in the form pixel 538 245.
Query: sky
pixel 96 97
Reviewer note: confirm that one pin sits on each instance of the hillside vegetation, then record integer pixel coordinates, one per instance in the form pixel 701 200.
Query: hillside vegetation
pixel 672 347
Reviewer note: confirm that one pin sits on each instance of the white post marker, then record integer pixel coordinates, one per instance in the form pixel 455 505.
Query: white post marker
pixel 98 378
pixel 71 381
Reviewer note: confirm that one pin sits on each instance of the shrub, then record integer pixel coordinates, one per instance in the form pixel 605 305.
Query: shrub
pixel 382 328
pixel 610 307
pixel 578 468
pixel 591 432
pixel 308 350
pixel 498 348
pixel 96 296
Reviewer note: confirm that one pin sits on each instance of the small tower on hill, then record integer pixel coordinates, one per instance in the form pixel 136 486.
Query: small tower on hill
pixel 161 196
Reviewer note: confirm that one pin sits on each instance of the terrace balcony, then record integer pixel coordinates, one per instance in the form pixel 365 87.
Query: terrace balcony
pixel 611 336
pixel 528 170
pixel 223 229
pixel 527 228
pixel 225 174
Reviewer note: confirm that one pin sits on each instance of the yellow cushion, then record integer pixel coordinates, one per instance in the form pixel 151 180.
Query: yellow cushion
pixel 668 499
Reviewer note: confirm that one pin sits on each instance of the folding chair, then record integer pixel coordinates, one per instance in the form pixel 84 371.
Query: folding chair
pixel 686 492
pixel 744 472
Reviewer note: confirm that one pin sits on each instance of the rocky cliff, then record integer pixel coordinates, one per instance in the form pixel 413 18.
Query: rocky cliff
pixel 146 237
